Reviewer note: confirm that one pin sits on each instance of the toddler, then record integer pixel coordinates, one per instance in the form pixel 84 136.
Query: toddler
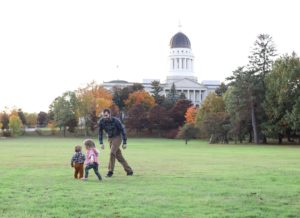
pixel 77 162
pixel 91 159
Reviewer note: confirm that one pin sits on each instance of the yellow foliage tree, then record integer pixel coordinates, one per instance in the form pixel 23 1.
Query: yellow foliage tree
pixel 52 126
pixel 92 100
pixel 15 124
pixel 31 119
pixel 101 104
pixel 212 104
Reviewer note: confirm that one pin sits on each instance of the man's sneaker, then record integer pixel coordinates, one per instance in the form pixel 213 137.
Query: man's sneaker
pixel 129 173
pixel 109 174
pixel 84 179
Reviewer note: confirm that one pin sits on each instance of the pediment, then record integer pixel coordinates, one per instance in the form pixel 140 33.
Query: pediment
pixel 186 83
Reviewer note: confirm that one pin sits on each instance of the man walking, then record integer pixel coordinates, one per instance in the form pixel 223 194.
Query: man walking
pixel 114 130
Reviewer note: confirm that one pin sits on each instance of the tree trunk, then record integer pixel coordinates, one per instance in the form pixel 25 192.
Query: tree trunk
pixel 225 139
pixel 186 141
pixel 250 136
pixel 264 139
pixel 254 125
pixel 159 132
pixel 288 133
pixel 211 139
pixel 279 139
pixel 86 130
pixel 64 131
pixel 240 139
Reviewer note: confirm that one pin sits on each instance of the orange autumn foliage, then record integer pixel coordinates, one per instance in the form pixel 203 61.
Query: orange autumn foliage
pixel 190 115
pixel 140 97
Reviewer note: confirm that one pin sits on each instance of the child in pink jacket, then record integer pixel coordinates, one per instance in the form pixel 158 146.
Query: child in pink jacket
pixel 91 161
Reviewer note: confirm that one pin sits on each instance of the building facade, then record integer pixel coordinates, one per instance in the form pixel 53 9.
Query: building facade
pixel 181 73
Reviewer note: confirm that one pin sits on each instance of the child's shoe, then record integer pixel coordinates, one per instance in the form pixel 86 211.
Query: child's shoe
pixel 109 174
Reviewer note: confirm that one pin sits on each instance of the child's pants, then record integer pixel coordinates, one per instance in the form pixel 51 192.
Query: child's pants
pixel 78 170
pixel 93 166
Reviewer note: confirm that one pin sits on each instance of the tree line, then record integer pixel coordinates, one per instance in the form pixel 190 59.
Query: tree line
pixel 260 101
pixel 79 111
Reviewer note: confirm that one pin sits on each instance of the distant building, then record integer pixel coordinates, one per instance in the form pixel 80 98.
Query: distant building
pixel 181 73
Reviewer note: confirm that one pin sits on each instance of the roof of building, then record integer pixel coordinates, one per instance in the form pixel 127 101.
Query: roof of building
pixel 180 40
pixel 118 81
pixel 211 82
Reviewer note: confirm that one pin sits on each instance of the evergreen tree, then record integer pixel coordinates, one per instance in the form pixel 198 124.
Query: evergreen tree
pixel 156 89
pixel 171 98
pixel 262 54
pixel 221 90
pixel 247 88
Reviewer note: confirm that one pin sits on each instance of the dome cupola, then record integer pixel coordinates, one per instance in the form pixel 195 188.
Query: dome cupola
pixel 180 40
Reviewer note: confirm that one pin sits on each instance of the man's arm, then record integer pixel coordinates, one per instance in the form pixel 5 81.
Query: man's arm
pixel 123 132
pixel 100 133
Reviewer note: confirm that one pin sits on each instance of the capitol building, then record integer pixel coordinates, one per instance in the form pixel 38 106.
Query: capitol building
pixel 181 73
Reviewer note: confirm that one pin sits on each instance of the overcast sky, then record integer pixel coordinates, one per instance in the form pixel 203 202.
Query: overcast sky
pixel 48 47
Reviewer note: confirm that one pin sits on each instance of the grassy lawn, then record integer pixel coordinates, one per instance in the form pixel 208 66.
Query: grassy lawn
pixel 171 180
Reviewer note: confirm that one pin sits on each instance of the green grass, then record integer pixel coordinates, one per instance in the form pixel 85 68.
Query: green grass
pixel 171 180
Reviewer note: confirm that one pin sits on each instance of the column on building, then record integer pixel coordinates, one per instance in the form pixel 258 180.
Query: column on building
pixel 186 65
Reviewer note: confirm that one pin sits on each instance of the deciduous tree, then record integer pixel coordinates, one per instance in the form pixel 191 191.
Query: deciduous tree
pixel 92 99
pixel 4 119
pixel 212 103
pixel 160 119
pixel 137 118
pixel 188 132
pixel 282 94
pixel 190 115
pixel 64 108
pixel 179 110
pixel 31 119
pixel 42 119
pixel 15 124
pixel 142 98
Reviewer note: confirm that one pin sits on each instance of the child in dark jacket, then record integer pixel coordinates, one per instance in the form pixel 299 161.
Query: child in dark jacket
pixel 77 162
